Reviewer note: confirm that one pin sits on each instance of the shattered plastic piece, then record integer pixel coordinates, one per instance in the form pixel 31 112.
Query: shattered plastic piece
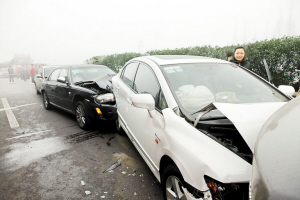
pixel 103 196
pixel 113 166
pixel 135 193
pixel 141 175
pixel 133 174
pixel 82 182
pixel 111 171
pixel 87 192
pixel 123 172
pixel 105 192
pixel 129 174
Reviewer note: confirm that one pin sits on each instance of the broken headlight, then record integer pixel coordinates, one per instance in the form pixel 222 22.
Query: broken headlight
pixel 223 191
pixel 105 98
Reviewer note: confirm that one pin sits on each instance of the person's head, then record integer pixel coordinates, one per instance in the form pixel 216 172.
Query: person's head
pixel 229 55
pixel 239 53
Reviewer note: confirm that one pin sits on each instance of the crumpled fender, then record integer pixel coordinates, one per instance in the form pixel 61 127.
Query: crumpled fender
pixel 196 155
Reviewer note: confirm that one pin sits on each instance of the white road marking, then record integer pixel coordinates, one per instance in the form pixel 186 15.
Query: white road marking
pixel 10 115
pixel 4 109
pixel 29 134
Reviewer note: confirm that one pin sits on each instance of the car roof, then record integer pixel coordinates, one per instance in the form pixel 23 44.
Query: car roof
pixel 176 59
pixel 83 66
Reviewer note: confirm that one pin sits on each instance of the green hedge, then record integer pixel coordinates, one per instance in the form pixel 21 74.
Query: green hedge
pixel 282 56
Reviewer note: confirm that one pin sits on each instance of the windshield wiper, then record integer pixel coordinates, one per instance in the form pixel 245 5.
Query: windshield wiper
pixel 82 82
pixel 203 111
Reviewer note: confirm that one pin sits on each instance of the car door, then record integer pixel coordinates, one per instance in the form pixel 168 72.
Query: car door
pixel 145 129
pixel 50 86
pixel 39 79
pixel 63 92
pixel 123 89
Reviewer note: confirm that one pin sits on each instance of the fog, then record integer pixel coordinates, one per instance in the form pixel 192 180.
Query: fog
pixel 69 32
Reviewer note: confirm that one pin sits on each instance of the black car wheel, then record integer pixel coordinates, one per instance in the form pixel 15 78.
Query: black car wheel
pixel 119 127
pixel 46 101
pixel 173 183
pixel 37 92
pixel 82 117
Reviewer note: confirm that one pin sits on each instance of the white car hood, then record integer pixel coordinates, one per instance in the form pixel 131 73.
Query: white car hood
pixel 248 118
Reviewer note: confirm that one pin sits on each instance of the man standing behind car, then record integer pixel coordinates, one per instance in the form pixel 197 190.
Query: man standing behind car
pixel 239 57
pixel 32 71
pixel 11 74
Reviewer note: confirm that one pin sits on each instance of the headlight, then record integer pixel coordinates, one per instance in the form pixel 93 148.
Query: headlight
pixel 105 98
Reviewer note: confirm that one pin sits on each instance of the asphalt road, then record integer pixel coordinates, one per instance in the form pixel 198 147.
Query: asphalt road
pixel 45 155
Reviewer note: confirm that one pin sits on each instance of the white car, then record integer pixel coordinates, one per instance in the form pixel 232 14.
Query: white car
pixel 194 120
pixel 276 161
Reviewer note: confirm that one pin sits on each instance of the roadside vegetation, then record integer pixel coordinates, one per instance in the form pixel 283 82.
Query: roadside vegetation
pixel 282 56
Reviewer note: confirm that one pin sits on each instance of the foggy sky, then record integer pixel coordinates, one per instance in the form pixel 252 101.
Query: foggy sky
pixel 69 32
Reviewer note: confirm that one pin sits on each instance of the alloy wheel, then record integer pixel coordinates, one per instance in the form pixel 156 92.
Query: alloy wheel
pixel 174 189
pixel 80 116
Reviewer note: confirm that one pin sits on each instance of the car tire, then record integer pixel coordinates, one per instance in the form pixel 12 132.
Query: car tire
pixel 82 117
pixel 172 179
pixel 46 101
pixel 119 127
pixel 37 92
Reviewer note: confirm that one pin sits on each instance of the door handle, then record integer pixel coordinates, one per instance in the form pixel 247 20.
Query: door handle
pixel 129 101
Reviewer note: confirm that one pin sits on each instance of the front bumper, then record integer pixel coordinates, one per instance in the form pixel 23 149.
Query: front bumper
pixel 107 111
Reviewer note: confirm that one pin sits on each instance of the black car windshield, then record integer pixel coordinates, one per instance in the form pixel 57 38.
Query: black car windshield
pixel 48 71
pixel 199 84
pixel 89 74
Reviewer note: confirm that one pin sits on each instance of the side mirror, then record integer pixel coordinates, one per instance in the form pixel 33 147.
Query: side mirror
pixel 287 89
pixel 145 101
pixel 61 79
pixel 38 76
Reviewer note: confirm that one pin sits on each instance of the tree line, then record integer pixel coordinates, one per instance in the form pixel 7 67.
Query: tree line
pixel 282 56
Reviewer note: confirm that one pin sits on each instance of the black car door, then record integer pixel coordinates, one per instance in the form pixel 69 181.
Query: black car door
pixel 50 86
pixel 63 91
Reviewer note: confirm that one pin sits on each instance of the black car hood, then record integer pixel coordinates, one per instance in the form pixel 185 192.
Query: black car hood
pixel 105 82
pixel 100 85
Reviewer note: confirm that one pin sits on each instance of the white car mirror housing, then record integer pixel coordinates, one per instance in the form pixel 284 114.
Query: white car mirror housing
pixel 287 89
pixel 145 101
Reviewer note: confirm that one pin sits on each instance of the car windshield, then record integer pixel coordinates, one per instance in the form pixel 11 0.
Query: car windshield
pixel 199 84
pixel 89 74
pixel 48 71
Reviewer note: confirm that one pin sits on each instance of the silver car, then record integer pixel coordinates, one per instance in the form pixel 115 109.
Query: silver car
pixel 41 76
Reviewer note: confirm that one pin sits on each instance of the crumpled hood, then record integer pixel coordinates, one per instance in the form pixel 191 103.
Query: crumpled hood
pixel 248 118
pixel 105 82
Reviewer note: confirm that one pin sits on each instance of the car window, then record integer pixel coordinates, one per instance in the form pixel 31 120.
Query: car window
pixel 40 71
pixel 64 73
pixel 89 73
pixel 129 74
pixel 54 75
pixel 146 82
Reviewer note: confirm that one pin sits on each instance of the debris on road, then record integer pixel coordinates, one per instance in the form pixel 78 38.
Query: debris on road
pixel 123 172
pixel 103 196
pixel 135 194
pixel 113 166
pixel 87 192
pixel 82 182
pixel 108 141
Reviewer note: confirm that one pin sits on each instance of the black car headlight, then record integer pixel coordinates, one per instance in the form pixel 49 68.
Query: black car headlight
pixel 105 98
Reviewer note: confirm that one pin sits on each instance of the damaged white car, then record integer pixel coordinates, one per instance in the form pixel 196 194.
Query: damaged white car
pixel 194 120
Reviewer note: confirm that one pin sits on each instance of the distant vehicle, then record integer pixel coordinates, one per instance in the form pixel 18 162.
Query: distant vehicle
pixel 4 73
pixel 83 90
pixel 194 120
pixel 41 76
pixel 275 173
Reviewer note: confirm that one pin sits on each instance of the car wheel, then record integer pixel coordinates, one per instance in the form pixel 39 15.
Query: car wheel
pixel 46 101
pixel 119 127
pixel 82 117
pixel 173 183
pixel 37 92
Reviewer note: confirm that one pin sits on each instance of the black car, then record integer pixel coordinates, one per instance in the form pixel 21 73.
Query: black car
pixel 83 90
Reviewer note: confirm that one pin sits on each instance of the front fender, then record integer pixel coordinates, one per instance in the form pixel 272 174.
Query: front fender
pixel 196 155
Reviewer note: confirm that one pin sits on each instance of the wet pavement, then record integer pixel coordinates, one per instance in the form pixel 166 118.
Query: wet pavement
pixel 47 156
